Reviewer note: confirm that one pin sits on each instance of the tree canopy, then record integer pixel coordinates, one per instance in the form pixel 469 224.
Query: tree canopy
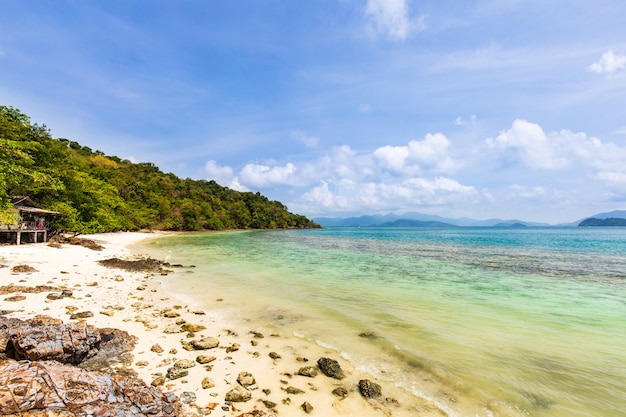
pixel 99 193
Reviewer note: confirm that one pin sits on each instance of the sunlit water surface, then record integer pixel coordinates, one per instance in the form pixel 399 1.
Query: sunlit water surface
pixel 482 321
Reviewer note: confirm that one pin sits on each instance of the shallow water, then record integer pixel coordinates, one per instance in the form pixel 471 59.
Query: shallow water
pixel 481 321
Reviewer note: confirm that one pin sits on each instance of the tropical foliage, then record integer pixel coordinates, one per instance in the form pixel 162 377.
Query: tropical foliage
pixel 99 193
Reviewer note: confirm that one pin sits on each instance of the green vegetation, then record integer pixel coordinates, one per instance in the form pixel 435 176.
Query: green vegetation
pixel 610 222
pixel 99 193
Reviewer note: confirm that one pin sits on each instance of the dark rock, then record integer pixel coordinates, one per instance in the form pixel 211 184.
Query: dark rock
pixel 269 404
pixel 368 335
pixel 369 389
pixel 340 392
pixel 331 368
pixel 81 315
pixel 23 268
pixel 49 388
pixel 274 355
pixel 307 407
pixel 293 390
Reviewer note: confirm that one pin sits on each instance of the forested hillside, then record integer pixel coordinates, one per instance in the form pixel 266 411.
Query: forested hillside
pixel 99 193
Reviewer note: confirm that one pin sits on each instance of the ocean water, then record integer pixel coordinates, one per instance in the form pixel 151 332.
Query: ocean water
pixel 479 321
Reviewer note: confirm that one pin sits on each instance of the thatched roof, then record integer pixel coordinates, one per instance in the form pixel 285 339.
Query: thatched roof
pixel 23 203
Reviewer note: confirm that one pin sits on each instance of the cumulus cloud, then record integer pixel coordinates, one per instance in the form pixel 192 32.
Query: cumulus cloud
pixel 509 169
pixel 262 176
pixel 609 63
pixel 392 18
pixel 429 154
pixel 221 174
pixel 528 143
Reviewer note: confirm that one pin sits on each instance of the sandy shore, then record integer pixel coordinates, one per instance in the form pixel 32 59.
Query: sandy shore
pixel 138 304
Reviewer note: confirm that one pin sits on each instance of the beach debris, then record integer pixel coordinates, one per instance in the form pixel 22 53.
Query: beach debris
pixel 330 368
pixel 23 268
pixel 238 394
pixel 369 389
pixel 34 387
pixel 307 407
pixel 309 371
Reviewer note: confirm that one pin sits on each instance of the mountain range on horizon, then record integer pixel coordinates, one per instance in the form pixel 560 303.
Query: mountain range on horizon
pixel 415 219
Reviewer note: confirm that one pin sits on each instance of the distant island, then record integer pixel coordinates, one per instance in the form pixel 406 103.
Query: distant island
pixel 415 223
pixel 610 222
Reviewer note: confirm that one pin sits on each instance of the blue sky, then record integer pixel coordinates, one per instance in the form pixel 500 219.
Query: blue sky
pixel 484 108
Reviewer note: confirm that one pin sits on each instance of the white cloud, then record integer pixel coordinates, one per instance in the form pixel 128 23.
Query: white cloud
pixel 528 143
pixel 429 154
pixel 391 18
pixel 609 63
pixel 459 121
pixel 308 141
pixel 221 174
pixel 261 176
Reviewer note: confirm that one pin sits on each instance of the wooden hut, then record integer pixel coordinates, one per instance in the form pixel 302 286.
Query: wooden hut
pixel 29 224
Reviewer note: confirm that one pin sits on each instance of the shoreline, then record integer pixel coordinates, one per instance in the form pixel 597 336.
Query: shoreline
pixel 138 303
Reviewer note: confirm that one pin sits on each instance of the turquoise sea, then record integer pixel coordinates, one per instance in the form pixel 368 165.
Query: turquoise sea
pixel 480 321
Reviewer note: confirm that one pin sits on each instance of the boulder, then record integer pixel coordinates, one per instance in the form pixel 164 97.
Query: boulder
pixel 49 388
pixel 205 343
pixel 369 389
pixel 44 338
pixel 331 368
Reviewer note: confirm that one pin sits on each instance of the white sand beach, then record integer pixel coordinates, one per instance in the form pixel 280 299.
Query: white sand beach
pixel 137 303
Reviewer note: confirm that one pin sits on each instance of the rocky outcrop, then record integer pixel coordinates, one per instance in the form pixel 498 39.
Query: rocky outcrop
pixel 45 338
pixel 48 388
pixel 37 377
